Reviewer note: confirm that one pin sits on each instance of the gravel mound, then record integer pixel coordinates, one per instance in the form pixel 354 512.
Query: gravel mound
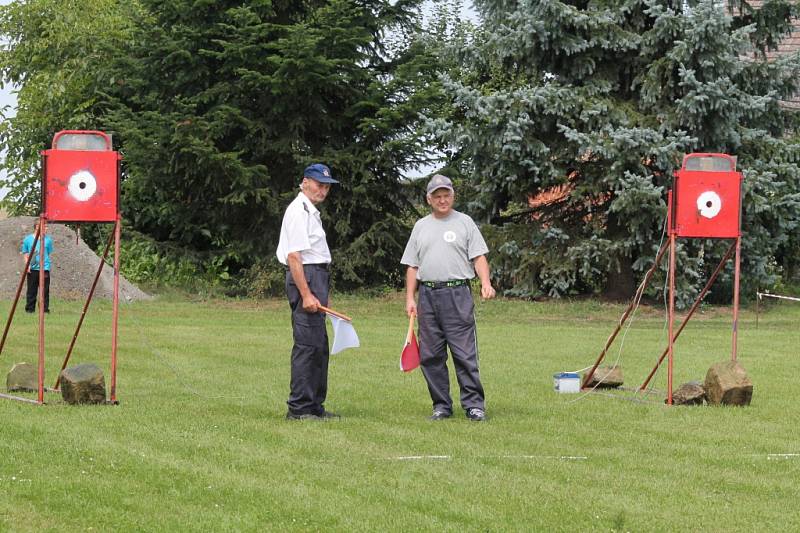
pixel 74 265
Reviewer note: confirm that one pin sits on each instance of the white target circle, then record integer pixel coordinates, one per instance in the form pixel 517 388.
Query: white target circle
pixel 449 236
pixel 82 185
pixel 709 204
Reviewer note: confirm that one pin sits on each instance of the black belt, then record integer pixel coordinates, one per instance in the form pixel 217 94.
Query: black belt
pixel 322 266
pixel 443 284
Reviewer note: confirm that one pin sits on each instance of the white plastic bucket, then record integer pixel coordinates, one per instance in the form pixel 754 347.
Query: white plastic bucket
pixel 567 382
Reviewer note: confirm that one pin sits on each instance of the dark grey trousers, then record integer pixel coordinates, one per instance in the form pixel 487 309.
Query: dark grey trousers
pixel 309 382
pixel 447 318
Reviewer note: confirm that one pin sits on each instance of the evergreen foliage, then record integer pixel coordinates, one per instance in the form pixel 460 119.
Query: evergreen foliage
pixel 569 119
pixel 218 106
pixel 54 55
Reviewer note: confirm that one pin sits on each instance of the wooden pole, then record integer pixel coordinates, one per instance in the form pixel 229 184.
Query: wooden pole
pixel 410 327
pixel 334 313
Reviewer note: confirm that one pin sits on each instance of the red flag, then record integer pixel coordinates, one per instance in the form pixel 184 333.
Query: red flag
pixel 409 358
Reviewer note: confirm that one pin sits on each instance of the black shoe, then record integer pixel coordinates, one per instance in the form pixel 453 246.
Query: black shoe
pixel 306 416
pixel 327 415
pixel 476 414
pixel 439 415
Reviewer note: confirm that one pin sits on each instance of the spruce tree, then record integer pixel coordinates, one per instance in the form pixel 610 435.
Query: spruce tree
pixel 569 118
pixel 217 107
pixel 223 104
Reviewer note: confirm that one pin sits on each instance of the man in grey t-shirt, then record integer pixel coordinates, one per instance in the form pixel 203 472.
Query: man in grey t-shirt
pixel 444 252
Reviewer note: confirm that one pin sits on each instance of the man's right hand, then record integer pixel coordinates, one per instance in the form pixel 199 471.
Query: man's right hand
pixel 310 304
pixel 411 308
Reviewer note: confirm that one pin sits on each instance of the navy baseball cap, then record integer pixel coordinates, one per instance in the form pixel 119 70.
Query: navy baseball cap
pixel 319 172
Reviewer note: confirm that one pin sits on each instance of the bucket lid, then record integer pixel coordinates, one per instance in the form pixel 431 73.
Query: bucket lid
pixel 566 375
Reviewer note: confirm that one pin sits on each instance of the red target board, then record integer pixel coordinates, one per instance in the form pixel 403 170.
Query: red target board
pixel 81 178
pixel 708 197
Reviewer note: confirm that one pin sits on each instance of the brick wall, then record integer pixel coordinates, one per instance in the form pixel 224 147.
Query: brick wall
pixel 789 45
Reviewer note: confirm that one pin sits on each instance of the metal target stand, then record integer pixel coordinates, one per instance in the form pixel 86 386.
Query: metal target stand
pixel 80 183
pixel 705 203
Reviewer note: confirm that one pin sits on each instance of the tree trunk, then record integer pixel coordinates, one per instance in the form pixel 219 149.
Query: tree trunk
pixel 620 284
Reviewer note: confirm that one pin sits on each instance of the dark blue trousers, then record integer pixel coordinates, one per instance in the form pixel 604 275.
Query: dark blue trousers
pixel 446 318
pixel 309 382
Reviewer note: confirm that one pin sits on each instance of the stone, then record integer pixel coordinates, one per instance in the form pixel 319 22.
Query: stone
pixel 83 384
pixel 727 383
pixel 691 393
pixel 23 377
pixel 606 377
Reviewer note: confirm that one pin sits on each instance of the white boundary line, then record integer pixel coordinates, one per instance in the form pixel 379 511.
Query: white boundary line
pixel 762 294
pixel 447 457
pixel 418 457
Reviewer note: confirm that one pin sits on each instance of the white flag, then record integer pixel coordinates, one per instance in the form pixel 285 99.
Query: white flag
pixel 344 335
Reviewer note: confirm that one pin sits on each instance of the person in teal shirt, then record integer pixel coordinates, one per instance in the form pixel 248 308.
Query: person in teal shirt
pixel 33 270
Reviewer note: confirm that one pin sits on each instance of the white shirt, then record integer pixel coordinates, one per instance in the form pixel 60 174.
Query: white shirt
pixel 301 231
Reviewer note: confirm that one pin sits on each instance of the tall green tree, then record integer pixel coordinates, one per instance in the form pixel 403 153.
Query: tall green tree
pixel 54 54
pixel 218 106
pixel 570 117
pixel 222 104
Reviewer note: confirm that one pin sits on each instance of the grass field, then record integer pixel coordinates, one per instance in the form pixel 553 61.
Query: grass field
pixel 199 442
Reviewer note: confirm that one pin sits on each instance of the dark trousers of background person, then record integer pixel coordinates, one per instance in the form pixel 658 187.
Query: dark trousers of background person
pixel 33 291
pixel 309 382
pixel 446 317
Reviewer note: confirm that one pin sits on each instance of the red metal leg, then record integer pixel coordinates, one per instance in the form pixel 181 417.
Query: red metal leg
pixel 671 314
pixel 43 232
pixel 736 272
pixel 625 315
pixel 19 290
pixel 85 309
pixel 694 307
pixel 117 232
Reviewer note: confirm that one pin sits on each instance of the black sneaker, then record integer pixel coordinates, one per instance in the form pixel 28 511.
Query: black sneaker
pixel 327 415
pixel 439 415
pixel 476 414
pixel 305 416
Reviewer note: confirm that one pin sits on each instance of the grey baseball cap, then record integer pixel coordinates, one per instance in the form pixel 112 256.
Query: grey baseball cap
pixel 439 182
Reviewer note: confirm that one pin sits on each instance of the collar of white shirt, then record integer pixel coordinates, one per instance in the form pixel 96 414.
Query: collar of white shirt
pixel 310 207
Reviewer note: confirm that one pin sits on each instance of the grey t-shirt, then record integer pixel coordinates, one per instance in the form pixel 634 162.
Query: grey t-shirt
pixel 443 249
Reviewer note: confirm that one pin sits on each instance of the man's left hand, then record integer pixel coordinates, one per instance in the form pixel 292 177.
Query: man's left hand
pixel 487 292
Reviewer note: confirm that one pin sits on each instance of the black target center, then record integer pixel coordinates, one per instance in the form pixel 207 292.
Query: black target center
pixel 82 185
pixel 709 203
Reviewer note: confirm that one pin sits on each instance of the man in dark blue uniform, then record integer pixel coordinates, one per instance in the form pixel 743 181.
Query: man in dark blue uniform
pixel 304 250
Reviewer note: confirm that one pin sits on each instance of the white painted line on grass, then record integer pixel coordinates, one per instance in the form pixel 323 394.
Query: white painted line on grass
pixel 782 455
pixel 440 457
pixel 559 457
pixel 419 457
